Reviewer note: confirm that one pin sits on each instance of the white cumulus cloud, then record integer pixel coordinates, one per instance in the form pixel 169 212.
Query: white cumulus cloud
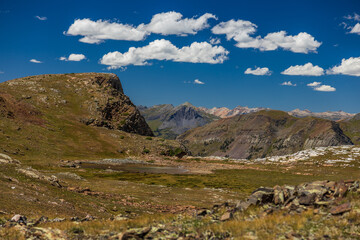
pixel 197 81
pixel 321 88
pixel 325 88
pixel 313 84
pixel 289 83
pixel 97 32
pixel 41 18
pixel 350 66
pixel 241 31
pixel 173 23
pixel 73 57
pixel 35 61
pixel 167 23
pixel 304 70
pixel 258 71
pixel 197 52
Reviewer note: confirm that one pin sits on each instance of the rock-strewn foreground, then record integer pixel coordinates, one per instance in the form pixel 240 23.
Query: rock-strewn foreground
pixel 262 134
pixel 315 210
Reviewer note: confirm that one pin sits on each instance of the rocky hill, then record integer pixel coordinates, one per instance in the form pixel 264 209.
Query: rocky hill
pixel 168 121
pixel 73 115
pixel 261 134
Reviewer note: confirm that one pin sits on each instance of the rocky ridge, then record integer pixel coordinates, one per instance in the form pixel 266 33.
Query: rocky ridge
pixel 262 134
pixel 334 116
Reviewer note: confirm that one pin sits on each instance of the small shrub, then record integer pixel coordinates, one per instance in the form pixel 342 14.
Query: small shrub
pixel 148 138
pixel 122 137
pixel 146 151
pixel 76 230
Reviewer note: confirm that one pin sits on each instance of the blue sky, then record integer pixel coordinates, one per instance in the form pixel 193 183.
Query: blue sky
pixel 177 42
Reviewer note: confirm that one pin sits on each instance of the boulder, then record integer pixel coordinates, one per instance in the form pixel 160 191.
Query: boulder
pixel 279 197
pixel 135 233
pixel 226 216
pixel 20 219
pixel 338 210
pixel 243 205
pixel 261 196
pixel 5 158
pixel 307 199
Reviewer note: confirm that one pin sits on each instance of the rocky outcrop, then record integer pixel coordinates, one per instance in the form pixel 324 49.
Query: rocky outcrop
pixel 113 109
pixel 299 198
pixel 261 134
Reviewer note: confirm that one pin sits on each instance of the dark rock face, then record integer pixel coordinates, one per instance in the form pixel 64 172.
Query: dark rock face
pixel 113 109
pixel 170 121
pixel 261 134
pixel 183 118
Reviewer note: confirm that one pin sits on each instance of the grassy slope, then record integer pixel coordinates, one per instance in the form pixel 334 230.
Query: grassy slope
pixel 63 101
pixel 352 128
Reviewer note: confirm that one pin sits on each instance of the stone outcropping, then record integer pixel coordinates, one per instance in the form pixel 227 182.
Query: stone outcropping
pixel 113 109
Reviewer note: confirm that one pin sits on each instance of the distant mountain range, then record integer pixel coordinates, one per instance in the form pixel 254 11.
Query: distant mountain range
pixel 224 112
pixel 335 116
pixel 169 121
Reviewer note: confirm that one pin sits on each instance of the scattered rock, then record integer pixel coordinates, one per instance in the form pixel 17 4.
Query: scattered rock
pixel 135 233
pixel 307 199
pixel 58 220
pixel 338 210
pixel 69 175
pixel 203 212
pixel 226 216
pixel 7 159
pixel 20 219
